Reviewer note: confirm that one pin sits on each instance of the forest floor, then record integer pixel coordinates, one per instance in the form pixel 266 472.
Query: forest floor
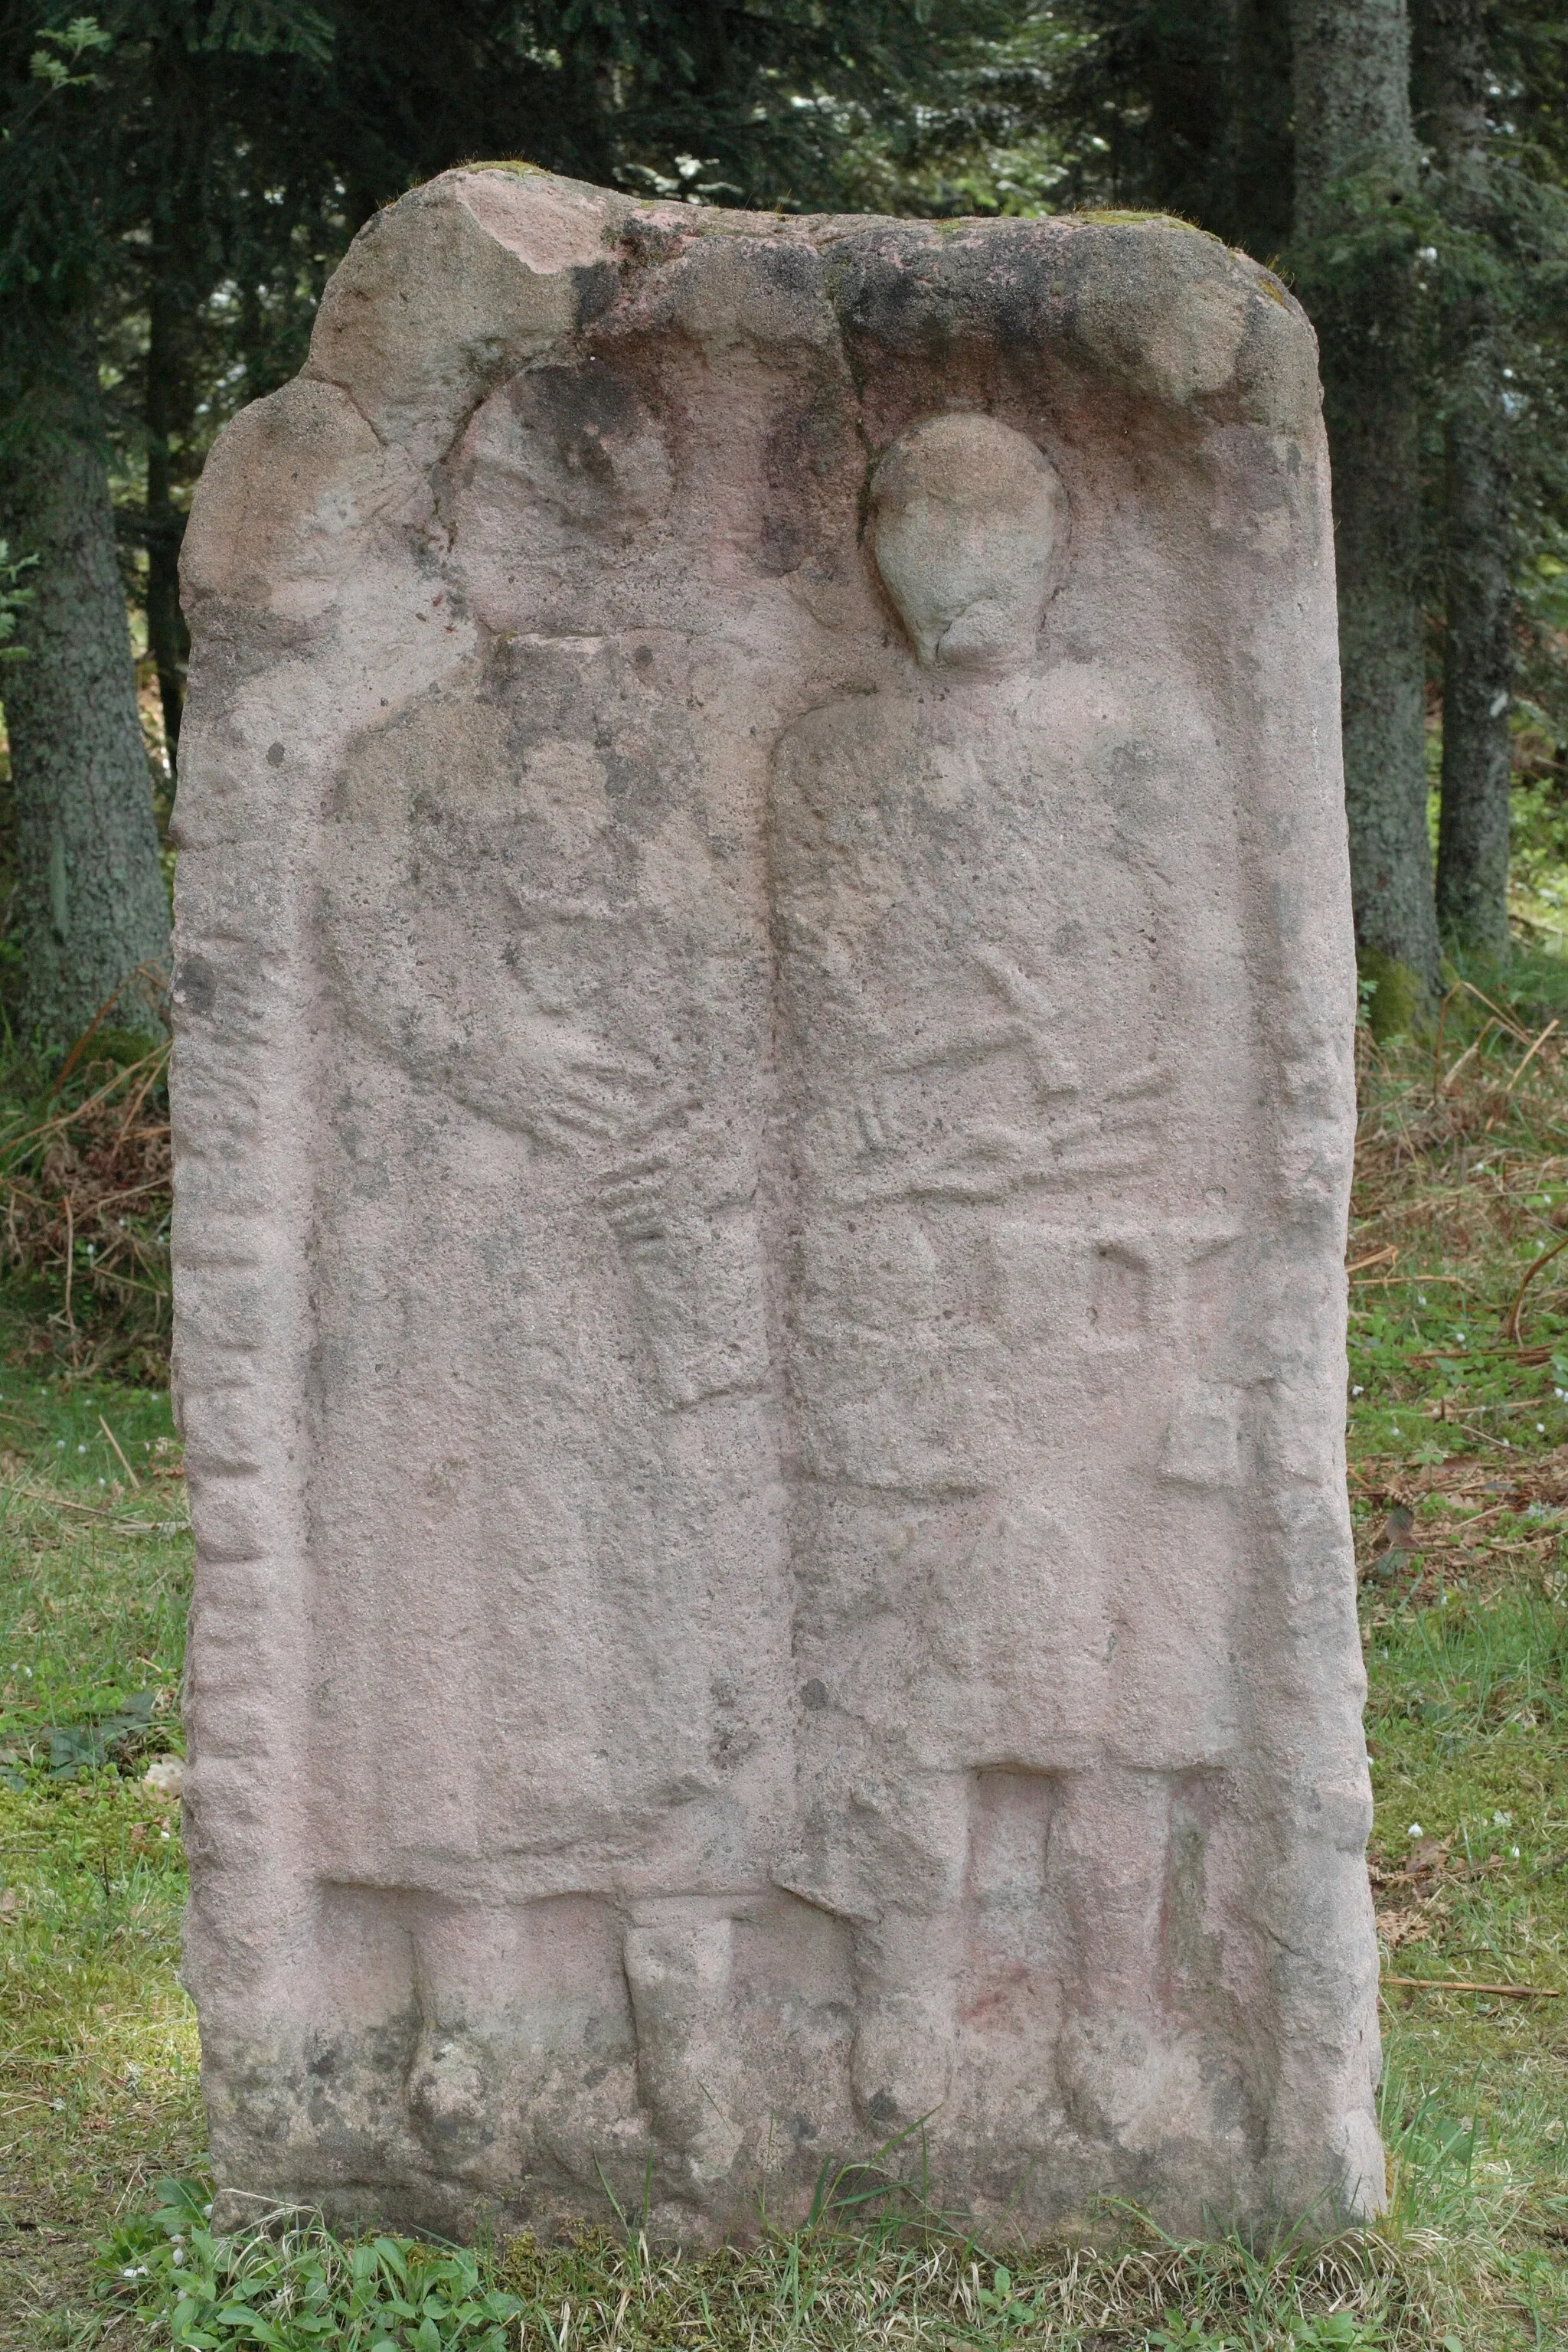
pixel 1459 1431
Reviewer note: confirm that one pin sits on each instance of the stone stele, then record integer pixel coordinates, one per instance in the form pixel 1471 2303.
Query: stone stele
pixel 762 1107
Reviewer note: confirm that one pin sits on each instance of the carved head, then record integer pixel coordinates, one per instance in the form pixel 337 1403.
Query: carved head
pixel 966 515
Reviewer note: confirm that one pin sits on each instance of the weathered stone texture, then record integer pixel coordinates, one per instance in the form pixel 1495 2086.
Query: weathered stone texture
pixel 764 1104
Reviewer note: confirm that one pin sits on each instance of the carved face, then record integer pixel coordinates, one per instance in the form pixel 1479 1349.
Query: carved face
pixel 966 517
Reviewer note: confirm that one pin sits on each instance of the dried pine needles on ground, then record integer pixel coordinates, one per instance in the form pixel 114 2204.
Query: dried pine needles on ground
pixel 1458 1441
pixel 84 1209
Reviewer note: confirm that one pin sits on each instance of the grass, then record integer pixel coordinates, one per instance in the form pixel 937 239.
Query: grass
pixel 1458 1429
pixel 98 2090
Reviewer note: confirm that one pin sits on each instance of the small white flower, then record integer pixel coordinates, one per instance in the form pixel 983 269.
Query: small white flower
pixel 1421 1298
pixel 138 2269
pixel 179 2256
pixel 1358 1389
pixel 1514 1851
pixel 58 2105
pixel 1540 1428
pixel 81 1449
pixel 1414 1830
pixel 1503 1820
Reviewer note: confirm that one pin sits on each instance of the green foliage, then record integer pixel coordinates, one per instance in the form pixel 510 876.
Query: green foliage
pixel 78 1748
pixel 265 29
pixel 984 133
pixel 1338 2331
pixel 300 2290
pixel 58 63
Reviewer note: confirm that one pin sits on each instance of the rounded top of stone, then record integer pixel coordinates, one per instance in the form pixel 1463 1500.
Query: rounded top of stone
pixel 966 518
pixel 490 267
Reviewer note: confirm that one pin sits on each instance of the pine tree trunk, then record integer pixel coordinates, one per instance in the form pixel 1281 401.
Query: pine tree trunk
pixel 1356 163
pixel 1259 133
pixel 1477 660
pixel 93 910
pixel 167 640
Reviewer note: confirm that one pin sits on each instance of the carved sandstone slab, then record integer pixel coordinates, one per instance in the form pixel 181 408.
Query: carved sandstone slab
pixel 764 1102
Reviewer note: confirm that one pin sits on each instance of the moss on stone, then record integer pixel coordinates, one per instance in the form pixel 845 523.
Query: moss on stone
pixel 1111 219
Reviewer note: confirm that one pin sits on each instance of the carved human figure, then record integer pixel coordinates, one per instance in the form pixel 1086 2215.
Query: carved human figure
pixel 534 967
pixel 998 1284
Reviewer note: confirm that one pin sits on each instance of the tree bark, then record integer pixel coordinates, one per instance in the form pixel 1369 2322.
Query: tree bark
pixel 1356 166
pixel 93 910
pixel 1260 132
pixel 1478 656
pixel 167 639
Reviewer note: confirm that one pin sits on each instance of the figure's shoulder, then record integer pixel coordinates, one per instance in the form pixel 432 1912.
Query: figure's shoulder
pixel 1082 711
pixel 1106 706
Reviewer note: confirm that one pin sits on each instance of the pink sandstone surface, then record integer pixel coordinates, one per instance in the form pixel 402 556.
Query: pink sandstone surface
pixel 763 1101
